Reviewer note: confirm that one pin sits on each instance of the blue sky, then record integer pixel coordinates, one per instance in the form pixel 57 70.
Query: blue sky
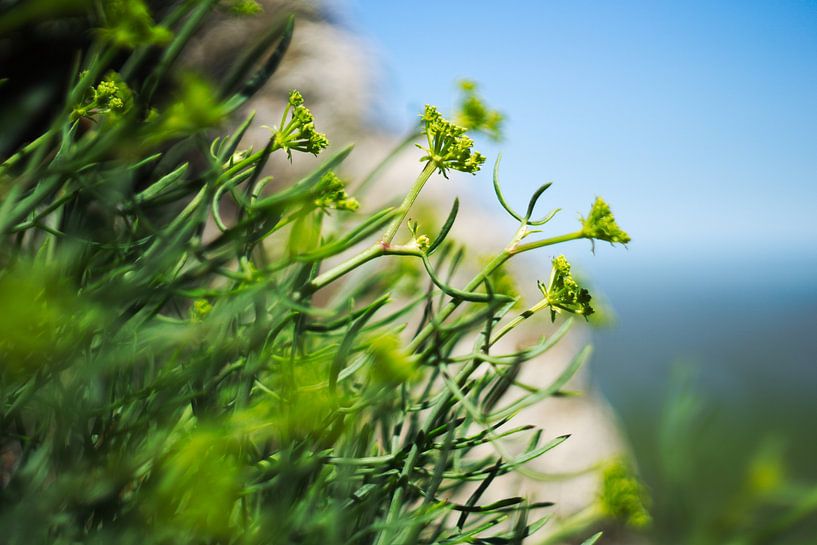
pixel 697 121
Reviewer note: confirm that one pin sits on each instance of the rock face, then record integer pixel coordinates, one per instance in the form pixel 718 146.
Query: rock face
pixel 334 71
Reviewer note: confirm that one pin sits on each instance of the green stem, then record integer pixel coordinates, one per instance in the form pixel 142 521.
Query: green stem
pixel 518 320
pixel 350 264
pixel 397 498
pixel 513 249
pixel 521 248
pixel 452 306
pixel 27 149
pixel 411 196
pixel 383 246
pixel 575 525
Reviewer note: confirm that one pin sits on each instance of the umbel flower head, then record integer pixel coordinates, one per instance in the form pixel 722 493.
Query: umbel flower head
pixel 474 115
pixel 111 95
pixel 244 7
pixel 448 147
pixel 563 293
pixel 130 24
pixel 333 194
pixel 622 496
pixel 299 132
pixel 601 225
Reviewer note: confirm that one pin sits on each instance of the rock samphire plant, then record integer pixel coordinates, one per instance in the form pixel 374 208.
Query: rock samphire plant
pixel 187 353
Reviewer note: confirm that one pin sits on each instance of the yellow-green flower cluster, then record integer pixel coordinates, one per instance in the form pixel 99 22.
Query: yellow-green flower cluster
pixel 333 194
pixel 200 309
pixel 563 293
pixel 130 24
pixel 244 7
pixel 390 362
pixel 448 147
pixel 110 95
pixel 423 242
pixel 474 115
pixel 622 496
pixel 601 225
pixel 299 132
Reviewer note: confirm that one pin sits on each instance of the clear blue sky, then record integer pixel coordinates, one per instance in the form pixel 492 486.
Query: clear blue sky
pixel 697 121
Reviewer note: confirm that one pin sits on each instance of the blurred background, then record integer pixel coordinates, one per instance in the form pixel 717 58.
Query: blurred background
pixel 696 121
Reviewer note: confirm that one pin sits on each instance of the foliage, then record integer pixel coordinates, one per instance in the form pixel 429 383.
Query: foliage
pixel 170 373
pixel 716 479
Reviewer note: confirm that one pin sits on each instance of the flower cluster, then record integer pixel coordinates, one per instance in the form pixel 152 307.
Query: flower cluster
pixel 563 293
pixel 243 7
pixel 110 95
pixel 448 147
pixel 423 242
pixel 299 132
pixel 622 496
pixel 474 115
pixel 333 194
pixel 130 24
pixel 601 225
pixel 200 309
pixel 391 364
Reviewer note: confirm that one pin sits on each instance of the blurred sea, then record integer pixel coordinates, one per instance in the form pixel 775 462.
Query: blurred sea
pixel 746 330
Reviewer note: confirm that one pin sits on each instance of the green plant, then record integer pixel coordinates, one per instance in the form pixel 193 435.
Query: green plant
pixel 168 370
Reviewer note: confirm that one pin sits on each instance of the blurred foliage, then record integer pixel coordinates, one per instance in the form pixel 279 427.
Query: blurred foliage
pixel 715 480
pixel 622 495
pixel 474 115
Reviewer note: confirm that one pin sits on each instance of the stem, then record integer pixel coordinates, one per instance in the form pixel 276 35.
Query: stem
pixel 383 246
pixel 518 320
pixel 574 525
pixel 452 306
pixel 513 249
pixel 25 150
pixel 350 264
pixel 546 242
pixel 397 498
pixel 388 236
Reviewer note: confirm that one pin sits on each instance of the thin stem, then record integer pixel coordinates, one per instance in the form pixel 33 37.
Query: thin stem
pixel 383 246
pixel 518 320
pixel 411 196
pixel 452 306
pixel 25 150
pixel 397 498
pixel 574 525
pixel 547 242
pixel 513 249
pixel 350 264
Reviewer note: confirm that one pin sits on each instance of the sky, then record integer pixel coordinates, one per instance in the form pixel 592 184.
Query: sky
pixel 696 121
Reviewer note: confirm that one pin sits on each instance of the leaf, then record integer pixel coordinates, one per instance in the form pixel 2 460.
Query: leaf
pixel 302 188
pixel 534 198
pixel 449 222
pixel 498 192
pixel 592 539
pixel 281 36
